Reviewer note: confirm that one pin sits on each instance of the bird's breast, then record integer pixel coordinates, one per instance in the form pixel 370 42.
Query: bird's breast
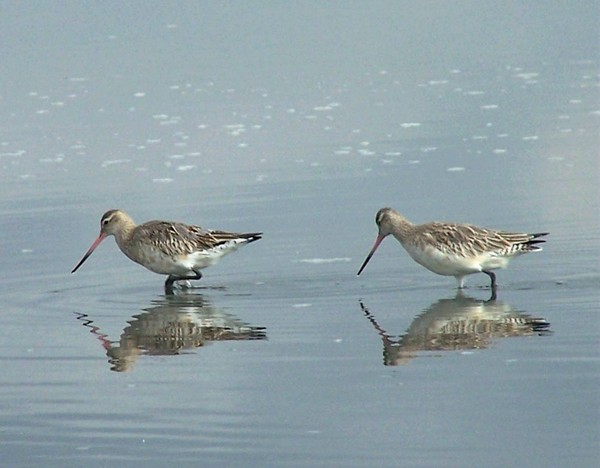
pixel 156 260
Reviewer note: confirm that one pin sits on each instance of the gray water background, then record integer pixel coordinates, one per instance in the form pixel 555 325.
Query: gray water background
pixel 300 120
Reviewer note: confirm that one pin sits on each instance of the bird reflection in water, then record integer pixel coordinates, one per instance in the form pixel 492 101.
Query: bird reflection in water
pixel 460 323
pixel 173 325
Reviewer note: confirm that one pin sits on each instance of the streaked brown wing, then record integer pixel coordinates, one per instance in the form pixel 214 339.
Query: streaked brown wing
pixel 172 238
pixel 469 240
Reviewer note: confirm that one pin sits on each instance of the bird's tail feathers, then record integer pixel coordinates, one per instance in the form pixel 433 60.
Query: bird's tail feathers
pixel 535 239
pixel 252 236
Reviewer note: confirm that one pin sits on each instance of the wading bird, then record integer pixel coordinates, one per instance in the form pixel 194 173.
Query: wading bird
pixel 168 248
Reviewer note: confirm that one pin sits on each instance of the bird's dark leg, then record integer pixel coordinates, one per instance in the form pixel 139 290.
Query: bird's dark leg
pixel 197 277
pixel 171 280
pixel 169 284
pixel 493 286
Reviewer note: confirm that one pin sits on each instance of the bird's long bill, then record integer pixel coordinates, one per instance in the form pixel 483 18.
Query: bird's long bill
pixel 377 242
pixel 96 243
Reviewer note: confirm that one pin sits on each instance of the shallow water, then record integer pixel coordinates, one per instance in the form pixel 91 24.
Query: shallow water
pixel 299 122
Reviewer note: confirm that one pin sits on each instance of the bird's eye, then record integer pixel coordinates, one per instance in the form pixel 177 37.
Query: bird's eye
pixel 105 222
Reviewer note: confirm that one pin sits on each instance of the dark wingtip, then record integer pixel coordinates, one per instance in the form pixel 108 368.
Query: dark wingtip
pixel 535 239
pixel 253 236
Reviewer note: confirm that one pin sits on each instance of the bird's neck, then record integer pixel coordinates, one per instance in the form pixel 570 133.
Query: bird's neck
pixel 403 228
pixel 123 236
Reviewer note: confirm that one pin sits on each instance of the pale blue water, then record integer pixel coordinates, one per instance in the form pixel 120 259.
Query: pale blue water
pixel 300 121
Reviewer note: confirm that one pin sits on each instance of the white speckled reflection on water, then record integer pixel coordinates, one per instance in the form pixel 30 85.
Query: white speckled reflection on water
pixel 300 121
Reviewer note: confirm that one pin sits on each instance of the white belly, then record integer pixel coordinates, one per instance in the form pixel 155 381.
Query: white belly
pixel 447 264
pixel 181 265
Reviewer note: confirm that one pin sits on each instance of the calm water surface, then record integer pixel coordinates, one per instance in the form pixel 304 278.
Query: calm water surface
pixel 300 121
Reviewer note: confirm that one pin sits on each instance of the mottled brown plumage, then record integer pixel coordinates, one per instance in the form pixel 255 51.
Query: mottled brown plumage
pixel 454 249
pixel 467 240
pixel 175 249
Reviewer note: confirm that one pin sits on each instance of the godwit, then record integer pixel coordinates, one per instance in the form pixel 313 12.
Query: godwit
pixel 453 249
pixel 168 248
